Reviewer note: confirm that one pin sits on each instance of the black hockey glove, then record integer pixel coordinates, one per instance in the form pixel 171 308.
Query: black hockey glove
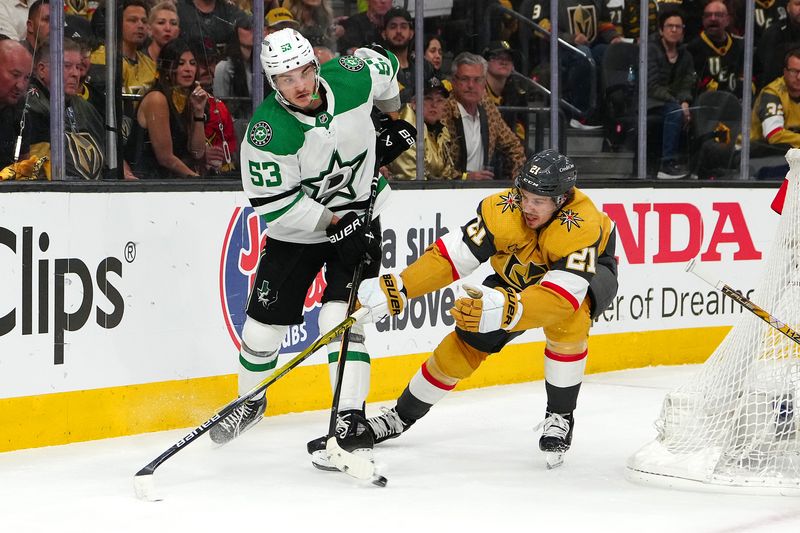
pixel 397 137
pixel 353 240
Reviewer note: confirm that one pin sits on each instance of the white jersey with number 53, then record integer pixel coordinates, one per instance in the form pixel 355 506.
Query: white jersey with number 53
pixel 295 165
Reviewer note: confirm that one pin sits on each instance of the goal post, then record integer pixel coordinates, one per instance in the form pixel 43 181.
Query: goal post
pixel 734 426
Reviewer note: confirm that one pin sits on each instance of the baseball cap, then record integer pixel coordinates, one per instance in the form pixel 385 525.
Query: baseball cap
pixel 496 47
pixel 434 84
pixel 280 18
pixel 396 12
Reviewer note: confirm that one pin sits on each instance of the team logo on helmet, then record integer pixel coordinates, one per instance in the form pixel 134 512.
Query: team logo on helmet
pixel 351 63
pixel 260 133
pixel 509 201
pixel 570 218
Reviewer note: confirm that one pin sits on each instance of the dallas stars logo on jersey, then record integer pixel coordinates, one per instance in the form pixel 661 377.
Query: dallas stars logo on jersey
pixel 336 180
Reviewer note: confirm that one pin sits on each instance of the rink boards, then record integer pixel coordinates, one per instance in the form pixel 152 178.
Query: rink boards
pixel 121 313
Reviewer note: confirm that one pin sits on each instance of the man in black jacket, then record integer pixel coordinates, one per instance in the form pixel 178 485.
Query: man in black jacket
pixel 775 43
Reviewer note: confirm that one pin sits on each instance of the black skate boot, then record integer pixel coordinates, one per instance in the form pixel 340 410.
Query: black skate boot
pixel 387 425
pixel 240 420
pixel 352 433
pixel 556 437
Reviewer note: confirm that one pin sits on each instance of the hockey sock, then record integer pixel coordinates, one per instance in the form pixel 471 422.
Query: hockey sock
pixel 355 382
pixel 563 374
pixel 254 367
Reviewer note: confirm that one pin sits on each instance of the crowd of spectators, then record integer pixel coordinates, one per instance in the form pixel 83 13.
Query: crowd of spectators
pixel 187 81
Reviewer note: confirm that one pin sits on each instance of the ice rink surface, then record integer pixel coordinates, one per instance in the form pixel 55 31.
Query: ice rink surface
pixel 471 465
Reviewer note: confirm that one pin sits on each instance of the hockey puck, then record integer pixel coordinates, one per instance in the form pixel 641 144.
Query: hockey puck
pixel 379 481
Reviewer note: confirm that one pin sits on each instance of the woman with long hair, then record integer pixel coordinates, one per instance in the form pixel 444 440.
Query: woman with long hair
pixel 168 138
pixel 318 14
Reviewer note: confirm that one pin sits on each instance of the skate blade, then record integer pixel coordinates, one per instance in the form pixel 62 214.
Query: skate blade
pixel 553 459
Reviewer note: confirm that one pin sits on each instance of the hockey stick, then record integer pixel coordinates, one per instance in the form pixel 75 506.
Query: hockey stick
pixel 741 299
pixel 348 462
pixel 143 480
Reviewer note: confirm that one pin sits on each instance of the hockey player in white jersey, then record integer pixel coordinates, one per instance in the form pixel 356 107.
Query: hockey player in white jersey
pixel 307 163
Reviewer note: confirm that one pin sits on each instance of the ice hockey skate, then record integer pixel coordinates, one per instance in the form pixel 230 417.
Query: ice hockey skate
pixel 353 434
pixel 240 420
pixel 387 425
pixel 556 437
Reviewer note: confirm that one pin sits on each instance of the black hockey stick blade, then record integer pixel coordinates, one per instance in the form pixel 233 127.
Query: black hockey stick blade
pixel 143 482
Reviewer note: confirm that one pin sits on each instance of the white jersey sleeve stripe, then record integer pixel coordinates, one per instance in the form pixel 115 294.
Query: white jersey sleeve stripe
pixel 571 287
pixel 453 247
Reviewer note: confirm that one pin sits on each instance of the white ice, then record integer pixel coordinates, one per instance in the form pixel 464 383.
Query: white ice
pixel 472 465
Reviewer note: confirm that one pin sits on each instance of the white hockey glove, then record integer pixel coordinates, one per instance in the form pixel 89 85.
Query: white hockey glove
pixel 485 309
pixel 384 295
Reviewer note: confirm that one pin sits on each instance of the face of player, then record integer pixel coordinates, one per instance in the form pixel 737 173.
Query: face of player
pixel 434 53
pixel 501 65
pixel 672 32
pixel 298 86
pixel 715 20
pixel 536 210
pixel 164 27
pixel 434 105
pixel 398 33
pixel 470 83
pixel 791 75
pixel 134 25
pixel 186 71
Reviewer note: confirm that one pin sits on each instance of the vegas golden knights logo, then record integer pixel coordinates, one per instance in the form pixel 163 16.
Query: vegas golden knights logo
pixel 583 19
pixel 85 154
pixel 522 275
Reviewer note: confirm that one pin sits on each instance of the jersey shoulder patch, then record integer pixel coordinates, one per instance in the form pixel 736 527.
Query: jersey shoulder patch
pixel 273 129
pixel 577 225
pixel 349 80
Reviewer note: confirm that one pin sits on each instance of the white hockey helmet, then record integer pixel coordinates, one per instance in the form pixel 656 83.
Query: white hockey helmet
pixel 286 50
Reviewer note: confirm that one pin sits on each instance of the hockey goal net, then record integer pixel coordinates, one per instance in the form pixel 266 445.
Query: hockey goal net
pixel 734 426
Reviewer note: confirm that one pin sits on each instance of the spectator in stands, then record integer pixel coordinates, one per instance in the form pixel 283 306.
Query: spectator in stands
pixel 434 53
pixel 586 24
pixel 437 139
pixel 364 28
pixel 718 56
pixel 483 147
pixel 671 80
pixel 37 27
pixel 397 35
pixel 776 112
pixel 221 145
pixel 208 19
pixel 324 46
pixel 501 88
pixel 767 13
pixel 15 69
pixel 164 27
pixel 311 14
pixel 13 18
pixel 776 41
pixel 233 76
pixel 79 30
pixel 138 70
pixel 278 19
pixel 84 132
pixel 168 138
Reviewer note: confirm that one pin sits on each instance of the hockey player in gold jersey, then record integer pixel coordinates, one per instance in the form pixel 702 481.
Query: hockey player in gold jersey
pixel 552 252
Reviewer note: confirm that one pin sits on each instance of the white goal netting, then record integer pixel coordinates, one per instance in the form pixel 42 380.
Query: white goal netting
pixel 734 425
